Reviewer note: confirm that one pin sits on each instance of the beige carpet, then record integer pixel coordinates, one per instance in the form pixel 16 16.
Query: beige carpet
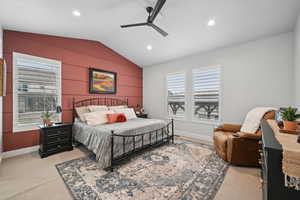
pixel 30 177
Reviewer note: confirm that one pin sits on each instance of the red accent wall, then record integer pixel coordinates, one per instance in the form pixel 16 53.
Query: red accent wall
pixel 76 56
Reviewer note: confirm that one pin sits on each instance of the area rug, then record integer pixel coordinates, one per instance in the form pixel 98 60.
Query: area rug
pixel 184 170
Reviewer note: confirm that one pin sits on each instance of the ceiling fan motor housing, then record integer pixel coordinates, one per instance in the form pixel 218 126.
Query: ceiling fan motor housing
pixel 149 9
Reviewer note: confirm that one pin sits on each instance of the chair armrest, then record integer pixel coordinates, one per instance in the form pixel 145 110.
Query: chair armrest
pixel 256 136
pixel 242 150
pixel 229 128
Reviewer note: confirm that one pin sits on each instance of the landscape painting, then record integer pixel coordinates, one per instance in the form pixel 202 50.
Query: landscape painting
pixel 102 82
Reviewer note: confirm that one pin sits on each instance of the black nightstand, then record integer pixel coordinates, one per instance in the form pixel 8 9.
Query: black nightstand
pixel 142 115
pixel 55 139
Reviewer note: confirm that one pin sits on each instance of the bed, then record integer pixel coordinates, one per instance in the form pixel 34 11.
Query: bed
pixel 114 143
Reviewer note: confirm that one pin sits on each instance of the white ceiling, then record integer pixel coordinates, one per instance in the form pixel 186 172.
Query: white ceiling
pixel 185 21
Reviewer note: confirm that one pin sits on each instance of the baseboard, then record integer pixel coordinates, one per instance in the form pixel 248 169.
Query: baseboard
pixel 18 152
pixel 193 135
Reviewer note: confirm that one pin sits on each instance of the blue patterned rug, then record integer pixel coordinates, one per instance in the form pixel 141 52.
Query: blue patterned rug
pixel 184 170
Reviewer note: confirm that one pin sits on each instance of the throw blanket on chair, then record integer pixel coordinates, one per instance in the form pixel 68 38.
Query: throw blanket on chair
pixel 253 118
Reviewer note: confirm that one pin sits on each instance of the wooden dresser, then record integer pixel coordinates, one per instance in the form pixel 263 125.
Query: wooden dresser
pixel 272 177
pixel 55 139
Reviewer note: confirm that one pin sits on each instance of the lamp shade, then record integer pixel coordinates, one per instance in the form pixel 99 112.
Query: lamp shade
pixel 58 109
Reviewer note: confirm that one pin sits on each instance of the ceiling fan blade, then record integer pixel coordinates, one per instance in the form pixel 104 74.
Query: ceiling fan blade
pixel 156 10
pixel 133 25
pixel 164 33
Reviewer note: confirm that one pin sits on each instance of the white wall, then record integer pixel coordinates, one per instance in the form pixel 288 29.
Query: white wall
pixel 1 113
pixel 257 73
pixel 297 65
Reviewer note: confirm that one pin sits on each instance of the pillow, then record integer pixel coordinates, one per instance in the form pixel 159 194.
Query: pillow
pixel 116 117
pixel 121 118
pixel 128 112
pixel 94 108
pixel 97 118
pixel 81 111
pixel 117 107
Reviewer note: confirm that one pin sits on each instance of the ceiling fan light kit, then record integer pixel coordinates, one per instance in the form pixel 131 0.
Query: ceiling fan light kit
pixel 153 12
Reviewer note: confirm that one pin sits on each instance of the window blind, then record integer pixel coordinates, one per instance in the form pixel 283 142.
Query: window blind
pixel 37 88
pixel 176 94
pixel 206 93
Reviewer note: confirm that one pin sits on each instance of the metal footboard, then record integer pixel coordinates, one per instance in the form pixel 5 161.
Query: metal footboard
pixel 155 138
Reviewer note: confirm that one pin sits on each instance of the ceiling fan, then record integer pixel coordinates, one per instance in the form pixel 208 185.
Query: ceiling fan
pixel 153 12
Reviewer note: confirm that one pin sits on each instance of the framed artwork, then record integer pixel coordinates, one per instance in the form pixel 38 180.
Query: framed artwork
pixel 102 82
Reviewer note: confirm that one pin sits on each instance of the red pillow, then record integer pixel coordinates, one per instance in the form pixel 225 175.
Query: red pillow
pixel 121 118
pixel 116 117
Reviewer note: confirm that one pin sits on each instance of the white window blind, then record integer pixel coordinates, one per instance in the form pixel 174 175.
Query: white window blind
pixel 37 88
pixel 176 94
pixel 206 94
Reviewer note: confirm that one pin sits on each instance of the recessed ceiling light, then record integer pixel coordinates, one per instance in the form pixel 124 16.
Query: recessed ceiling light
pixel 211 22
pixel 76 13
pixel 149 47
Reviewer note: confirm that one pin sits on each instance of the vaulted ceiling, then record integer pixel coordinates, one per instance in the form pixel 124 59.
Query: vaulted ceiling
pixel 185 20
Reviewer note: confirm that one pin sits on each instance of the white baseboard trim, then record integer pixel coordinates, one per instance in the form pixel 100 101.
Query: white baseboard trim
pixel 18 152
pixel 194 135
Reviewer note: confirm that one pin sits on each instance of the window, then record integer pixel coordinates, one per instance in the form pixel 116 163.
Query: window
pixel 176 94
pixel 37 88
pixel 206 94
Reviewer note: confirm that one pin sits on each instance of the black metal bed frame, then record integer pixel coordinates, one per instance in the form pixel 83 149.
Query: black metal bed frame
pixel 167 132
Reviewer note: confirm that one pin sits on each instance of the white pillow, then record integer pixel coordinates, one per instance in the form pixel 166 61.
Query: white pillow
pixel 81 111
pixel 117 107
pixel 128 112
pixel 97 118
pixel 94 108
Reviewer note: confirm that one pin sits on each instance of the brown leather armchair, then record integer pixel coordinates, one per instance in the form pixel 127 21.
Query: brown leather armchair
pixel 236 147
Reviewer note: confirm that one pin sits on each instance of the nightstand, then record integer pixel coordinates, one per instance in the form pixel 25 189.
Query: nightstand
pixel 55 139
pixel 142 115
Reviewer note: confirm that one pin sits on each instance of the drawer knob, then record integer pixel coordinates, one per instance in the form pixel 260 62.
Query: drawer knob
pixel 260 161
pixel 262 181
pixel 261 155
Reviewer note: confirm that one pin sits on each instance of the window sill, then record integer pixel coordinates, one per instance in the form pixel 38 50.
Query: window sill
pixel 207 122
pixel 176 118
pixel 26 128
pixel 195 121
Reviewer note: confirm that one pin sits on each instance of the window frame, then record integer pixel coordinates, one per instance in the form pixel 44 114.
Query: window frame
pixel 184 117
pixel 34 126
pixel 196 120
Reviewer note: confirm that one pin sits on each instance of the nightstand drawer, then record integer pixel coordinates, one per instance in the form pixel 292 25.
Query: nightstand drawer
pixel 58 132
pixel 58 147
pixel 58 139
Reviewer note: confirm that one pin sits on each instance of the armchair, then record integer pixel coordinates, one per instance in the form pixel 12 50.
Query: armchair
pixel 236 147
